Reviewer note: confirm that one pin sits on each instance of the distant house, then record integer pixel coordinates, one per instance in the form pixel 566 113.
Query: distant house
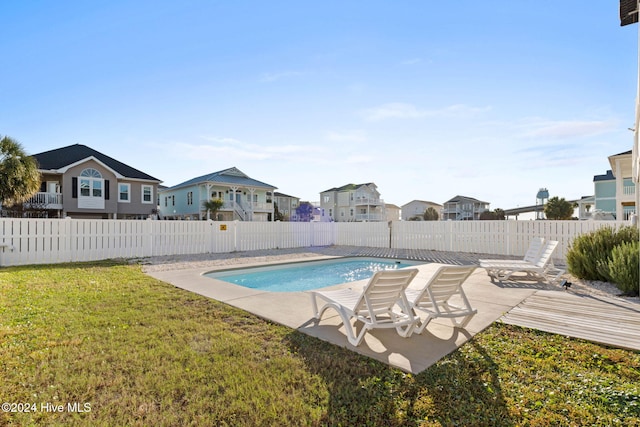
pixel 392 211
pixel 309 212
pixel 605 193
pixel 416 208
pixel 80 182
pixel 244 198
pixel 353 202
pixel 615 190
pixel 463 208
pixel 287 205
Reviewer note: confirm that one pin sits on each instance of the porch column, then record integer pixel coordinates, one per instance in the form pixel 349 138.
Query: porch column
pixel 619 191
pixel 233 198
pixel 251 207
pixel 208 187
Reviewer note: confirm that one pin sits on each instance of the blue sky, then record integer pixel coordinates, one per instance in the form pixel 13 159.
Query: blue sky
pixel 427 99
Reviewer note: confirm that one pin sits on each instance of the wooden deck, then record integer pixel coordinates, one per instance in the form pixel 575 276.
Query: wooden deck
pixel 610 321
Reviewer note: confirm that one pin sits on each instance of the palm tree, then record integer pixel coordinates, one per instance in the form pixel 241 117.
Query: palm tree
pixel 19 175
pixel 212 206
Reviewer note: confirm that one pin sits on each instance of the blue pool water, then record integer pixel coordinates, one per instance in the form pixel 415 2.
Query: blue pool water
pixel 305 276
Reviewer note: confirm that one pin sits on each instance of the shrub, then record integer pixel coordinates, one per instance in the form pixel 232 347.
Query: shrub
pixel 589 255
pixel 623 267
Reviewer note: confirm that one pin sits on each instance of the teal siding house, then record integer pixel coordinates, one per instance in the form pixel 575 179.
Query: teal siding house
pixel 244 198
pixel 615 190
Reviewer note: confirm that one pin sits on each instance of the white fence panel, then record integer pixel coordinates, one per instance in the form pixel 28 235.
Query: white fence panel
pixel 429 235
pixel 102 239
pixel 32 241
pixel 38 241
pixel 322 233
pixel 223 236
pixel 180 237
pixel 293 234
pixel 490 237
pixel 252 236
pixel 369 234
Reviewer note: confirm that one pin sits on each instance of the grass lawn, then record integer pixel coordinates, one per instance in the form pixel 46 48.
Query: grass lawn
pixel 102 344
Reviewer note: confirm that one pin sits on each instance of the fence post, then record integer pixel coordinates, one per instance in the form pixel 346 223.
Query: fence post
pixel 235 235
pixel 147 249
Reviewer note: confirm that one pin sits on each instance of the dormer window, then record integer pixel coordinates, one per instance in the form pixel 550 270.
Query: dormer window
pixel 91 189
pixel 91 183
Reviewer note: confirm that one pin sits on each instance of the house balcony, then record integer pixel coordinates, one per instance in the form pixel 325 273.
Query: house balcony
pixel 362 201
pixel 370 217
pixel 249 207
pixel 628 193
pixel 45 201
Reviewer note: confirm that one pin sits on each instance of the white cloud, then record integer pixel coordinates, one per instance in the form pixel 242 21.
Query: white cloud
pixel 359 159
pixel 236 149
pixel 399 110
pixel 347 136
pixel 272 77
pixel 564 129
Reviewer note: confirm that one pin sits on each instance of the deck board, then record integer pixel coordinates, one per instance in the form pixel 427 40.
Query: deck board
pixel 610 321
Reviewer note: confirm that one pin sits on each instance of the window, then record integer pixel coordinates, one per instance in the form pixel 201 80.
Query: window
pixel 91 189
pixel 124 192
pixel 190 198
pixel 147 194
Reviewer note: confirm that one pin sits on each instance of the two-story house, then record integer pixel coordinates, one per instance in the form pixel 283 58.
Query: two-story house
pixel 287 206
pixel 80 182
pixel 463 208
pixel 244 198
pixel 417 208
pixel 615 191
pixel 353 202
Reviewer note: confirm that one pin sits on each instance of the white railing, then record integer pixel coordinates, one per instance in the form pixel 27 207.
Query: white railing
pixel 368 201
pixel 42 241
pixel 370 217
pixel 629 190
pixel 46 200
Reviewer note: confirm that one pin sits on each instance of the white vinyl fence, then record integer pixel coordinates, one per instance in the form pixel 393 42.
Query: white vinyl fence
pixel 44 241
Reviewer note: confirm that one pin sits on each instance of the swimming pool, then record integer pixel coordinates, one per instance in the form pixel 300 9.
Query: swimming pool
pixel 309 275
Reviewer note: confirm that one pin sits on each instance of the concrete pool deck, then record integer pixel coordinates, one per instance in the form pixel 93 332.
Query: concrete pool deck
pixel 293 309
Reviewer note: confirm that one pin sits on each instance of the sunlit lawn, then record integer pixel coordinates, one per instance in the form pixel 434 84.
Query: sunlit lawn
pixel 129 350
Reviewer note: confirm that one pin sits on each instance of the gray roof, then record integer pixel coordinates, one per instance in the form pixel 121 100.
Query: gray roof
pixel 65 156
pixel 606 177
pixel 348 187
pixel 231 176
pixel 459 198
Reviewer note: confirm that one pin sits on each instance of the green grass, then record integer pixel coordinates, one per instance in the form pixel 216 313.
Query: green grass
pixel 141 352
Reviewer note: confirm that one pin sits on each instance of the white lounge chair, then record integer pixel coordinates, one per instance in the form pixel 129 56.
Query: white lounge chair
pixel 531 256
pixel 435 298
pixel 374 306
pixel 541 269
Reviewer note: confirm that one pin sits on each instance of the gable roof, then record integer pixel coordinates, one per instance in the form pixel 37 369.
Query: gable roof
pixel 349 187
pixel 621 154
pixel 54 160
pixel 233 176
pixel 459 198
pixel 422 201
pixel 277 194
